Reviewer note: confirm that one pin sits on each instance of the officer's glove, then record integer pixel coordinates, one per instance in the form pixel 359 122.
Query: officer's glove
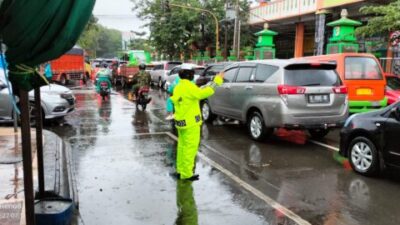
pixel 217 81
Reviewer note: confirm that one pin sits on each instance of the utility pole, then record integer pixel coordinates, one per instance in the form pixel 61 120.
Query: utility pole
pixel 236 31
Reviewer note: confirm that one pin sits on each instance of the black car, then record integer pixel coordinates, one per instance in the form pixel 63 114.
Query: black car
pixel 210 71
pixel 371 141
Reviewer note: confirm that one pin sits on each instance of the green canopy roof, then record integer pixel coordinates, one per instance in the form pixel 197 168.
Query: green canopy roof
pixel 266 32
pixel 36 31
pixel 344 22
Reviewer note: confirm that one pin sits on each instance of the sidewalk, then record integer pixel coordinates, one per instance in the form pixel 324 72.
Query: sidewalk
pixel 11 172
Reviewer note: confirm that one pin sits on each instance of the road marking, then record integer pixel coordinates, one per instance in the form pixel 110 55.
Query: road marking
pixel 274 204
pixel 325 145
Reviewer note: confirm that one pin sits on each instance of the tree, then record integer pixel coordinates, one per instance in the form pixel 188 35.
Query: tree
pixel 89 37
pixel 176 30
pixel 100 41
pixel 386 19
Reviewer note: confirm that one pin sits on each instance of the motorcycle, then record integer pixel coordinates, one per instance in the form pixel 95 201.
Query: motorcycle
pixel 104 90
pixel 143 97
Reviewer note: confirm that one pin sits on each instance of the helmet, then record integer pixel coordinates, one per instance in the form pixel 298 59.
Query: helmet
pixel 142 66
pixel 186 72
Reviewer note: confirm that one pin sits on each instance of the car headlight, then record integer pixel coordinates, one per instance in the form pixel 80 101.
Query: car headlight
pixel 66 95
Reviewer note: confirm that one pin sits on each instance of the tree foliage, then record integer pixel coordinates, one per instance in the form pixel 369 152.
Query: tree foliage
pixel 100 41
pixel 385 18
pixel 175 30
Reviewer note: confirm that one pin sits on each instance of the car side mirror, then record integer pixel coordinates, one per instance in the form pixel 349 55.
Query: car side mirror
pixel 396 113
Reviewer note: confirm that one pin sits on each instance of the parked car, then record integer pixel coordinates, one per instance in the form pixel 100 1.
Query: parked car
pixel 175 73
pixel 57 101
pixel 271 94
pixel 392 88
pixel 371 140
pixel 363 76
pixel 210 71
pixel 160 72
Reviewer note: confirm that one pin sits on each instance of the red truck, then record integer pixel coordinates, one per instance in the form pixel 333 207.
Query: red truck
pixel 70 66
pixel 127 72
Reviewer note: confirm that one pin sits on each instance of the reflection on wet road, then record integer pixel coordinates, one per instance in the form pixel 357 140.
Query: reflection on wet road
pixel 123 160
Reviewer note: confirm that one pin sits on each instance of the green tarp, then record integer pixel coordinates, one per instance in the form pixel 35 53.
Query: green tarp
pixel 36 31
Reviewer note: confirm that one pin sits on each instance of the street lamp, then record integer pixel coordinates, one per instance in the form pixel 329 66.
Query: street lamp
pixel 209 12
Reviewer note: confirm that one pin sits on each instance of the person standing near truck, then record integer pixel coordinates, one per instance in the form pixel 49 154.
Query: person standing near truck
pixel 186 99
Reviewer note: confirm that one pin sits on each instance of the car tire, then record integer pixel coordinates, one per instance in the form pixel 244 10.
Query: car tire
pixel 318 133
pixel 256 127
pixel 363 156
pixel 160 83
pixel 206 113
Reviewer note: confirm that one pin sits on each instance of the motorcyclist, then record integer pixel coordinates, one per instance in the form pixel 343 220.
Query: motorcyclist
pixel 103 76
pixel 141 79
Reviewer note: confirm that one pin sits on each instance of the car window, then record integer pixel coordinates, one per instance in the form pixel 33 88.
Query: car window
pixel 171 65
pixel 393 83
pixel 175 70
pixel 244 74
pixel 158 67
pixel 362 68
pixel 213 70
pixel 230 74
pixel 311 77
pixel 264 72
pixel 198 71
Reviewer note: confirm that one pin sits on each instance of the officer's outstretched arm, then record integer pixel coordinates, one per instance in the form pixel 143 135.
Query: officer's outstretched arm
pixel 208 90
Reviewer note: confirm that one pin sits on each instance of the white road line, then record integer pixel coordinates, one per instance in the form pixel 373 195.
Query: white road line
pixel 274 204
pixel 324 145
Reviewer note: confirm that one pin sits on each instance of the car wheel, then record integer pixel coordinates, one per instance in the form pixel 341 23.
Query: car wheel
pixel 318 133
pixel 208 116
pixel 256 127
pixel 160 83
pixel 363 156
pixel 32 114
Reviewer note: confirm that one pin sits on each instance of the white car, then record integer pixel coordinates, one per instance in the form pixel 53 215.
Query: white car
pixel 198 70
pixel 57 101
pixel 160 72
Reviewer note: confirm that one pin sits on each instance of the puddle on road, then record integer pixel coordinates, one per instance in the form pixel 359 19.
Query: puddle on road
pixel 128 181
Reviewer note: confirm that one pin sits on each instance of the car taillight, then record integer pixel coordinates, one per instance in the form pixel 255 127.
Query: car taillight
pixel 290 90
pixel 340 90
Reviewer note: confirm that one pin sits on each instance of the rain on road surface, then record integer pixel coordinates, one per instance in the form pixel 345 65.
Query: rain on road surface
pixel 124 157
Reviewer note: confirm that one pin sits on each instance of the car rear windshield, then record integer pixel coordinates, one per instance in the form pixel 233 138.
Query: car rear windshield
pixel 362 68
pixel 310 76
pixel 171 65
pixel 393 83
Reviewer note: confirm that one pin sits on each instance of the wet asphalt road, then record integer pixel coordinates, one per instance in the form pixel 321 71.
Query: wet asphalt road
pixel 123 158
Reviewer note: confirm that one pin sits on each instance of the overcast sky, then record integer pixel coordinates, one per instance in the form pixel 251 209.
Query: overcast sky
pixel 118 14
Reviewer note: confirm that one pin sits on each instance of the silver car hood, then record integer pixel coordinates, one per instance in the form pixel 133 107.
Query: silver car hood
pixel 53 88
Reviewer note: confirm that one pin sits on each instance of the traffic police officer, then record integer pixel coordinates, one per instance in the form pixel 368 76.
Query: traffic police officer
pixel 186 99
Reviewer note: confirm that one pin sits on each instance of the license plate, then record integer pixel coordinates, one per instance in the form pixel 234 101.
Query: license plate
pixel 318 99
pixel 364 91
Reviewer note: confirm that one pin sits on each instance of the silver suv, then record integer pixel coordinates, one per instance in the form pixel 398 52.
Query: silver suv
pixel 292 94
